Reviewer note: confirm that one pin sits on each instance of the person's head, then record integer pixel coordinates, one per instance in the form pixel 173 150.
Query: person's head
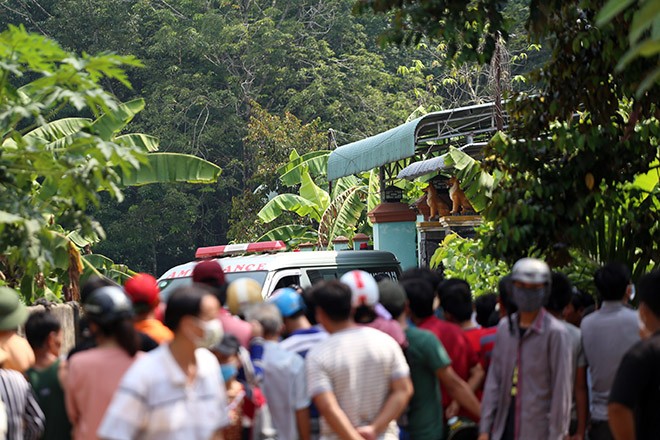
pixel 210 274
pixel 110 316
pixel 392 297
pixel 243 293
pixel 648 289
pixel 613 281
pixel 434 278
pixel 192 314
pixel 507 306
pixel 226 351
pixel 580 305
pixel 420 297
pixel 456 300
pixel 364 294
pixel 310 305
pixel 43 332
pixel 289 302
pixel 13 312
pixel 484 307
pixel 333 302
pixel 144 293
pixel 561 293
pixel 270 318
pixel 92 284
pixel 531 281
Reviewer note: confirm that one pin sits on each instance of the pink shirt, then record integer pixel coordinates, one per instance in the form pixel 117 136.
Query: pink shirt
pixel 237 327
pixel 391 328
pixel 92 378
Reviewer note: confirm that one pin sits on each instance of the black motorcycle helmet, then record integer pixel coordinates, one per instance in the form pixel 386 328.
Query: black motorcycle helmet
pixel 106 305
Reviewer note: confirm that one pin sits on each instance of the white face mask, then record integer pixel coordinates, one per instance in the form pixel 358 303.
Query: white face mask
pixel 640 321
pixel 213 333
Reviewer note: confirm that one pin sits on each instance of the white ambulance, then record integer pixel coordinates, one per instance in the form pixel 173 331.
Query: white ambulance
pixel 265 263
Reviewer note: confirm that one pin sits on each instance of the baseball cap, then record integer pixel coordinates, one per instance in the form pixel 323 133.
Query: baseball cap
pixel 288 301
pixel 364 289
pixel 391 295
pixel 13 313
pixel 209 272
pixel 143 291
pixel 228 346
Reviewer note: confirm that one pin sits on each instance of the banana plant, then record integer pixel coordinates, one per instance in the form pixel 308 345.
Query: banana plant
pixel 326 215
pixel 477 184
pixel 51 171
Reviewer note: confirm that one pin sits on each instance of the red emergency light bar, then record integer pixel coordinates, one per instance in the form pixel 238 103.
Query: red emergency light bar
pixel 241 248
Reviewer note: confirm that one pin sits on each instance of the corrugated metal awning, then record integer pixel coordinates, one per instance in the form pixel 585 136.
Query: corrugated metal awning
pixel 401 142
pixel 394 144
pixel 423 167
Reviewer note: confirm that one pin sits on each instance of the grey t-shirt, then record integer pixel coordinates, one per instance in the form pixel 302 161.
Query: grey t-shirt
pixel 607 335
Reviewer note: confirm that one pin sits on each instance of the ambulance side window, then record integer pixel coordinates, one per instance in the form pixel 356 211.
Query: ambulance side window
pixel 287 281
pixel 317 275
pixel 285 278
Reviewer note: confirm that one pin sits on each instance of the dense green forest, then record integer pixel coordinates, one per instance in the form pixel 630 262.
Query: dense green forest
pixel 241 83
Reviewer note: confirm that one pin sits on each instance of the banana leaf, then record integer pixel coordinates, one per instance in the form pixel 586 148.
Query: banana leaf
pixel 290 234
pixel 114 121
pixel 342 215
pixel 58 129
pixel 316 162
pixel 477 184
pixel 373 198
pixel 288 202
pixel 343 183
pixel 310 191
pixel 171 167
pixel 141 140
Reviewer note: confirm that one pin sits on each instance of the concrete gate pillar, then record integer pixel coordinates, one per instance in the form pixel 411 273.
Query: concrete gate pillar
pixel 395 231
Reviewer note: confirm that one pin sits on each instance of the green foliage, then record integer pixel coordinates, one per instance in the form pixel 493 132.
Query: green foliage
pixel 52 170
pixel 463 258
pixel 644 35
pixel 291 202
pixel 141 228
pixel 577 145
pixel 471 27
pixel 46 186
pixel 213 68
pixel 324 216
pixel 172 167
pixel 477 184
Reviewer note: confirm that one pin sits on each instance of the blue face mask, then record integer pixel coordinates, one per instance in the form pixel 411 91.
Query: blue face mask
pixel 228 371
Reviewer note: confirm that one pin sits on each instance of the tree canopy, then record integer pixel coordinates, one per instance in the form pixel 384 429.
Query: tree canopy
pixel 579 164
pixel 228 81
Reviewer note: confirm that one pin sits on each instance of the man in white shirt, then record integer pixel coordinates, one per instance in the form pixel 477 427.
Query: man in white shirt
pixel 358 377
pixel 175 391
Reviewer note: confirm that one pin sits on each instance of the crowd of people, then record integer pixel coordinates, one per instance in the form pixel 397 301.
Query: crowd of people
pixel 356 358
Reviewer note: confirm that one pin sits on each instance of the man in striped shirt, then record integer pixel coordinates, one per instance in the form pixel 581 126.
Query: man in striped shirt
pixel 358 378
pixel 24 417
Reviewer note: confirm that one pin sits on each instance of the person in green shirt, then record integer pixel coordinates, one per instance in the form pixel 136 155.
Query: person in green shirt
pixel 429 366
pixel 44 333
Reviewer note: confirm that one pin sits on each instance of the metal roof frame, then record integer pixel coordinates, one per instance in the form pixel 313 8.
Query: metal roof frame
pixel 423 137
pixel 428 166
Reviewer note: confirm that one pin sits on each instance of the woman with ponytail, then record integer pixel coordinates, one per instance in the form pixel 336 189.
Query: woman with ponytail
pixel 94 374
